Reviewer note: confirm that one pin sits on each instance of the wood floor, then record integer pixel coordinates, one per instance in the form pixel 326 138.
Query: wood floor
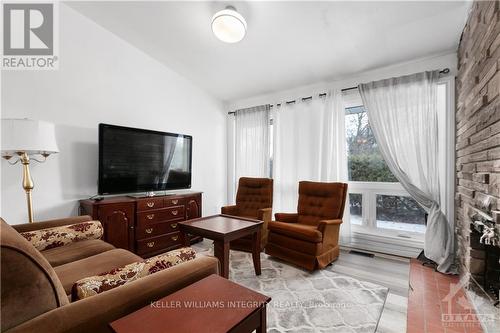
pixel 391 272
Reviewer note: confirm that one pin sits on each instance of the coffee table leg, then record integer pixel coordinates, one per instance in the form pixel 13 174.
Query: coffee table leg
pixel 256 251
pixel 263 323
pixel 221 251
pixel 185 239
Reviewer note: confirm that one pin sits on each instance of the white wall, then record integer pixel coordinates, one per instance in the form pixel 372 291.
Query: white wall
pixel 440 61
pixel 101 78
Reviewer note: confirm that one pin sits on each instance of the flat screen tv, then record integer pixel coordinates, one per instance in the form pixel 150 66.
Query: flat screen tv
pixel 133 160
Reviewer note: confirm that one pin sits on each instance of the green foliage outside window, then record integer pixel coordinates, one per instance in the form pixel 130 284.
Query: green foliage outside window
pixel 364 159
pixel 369 168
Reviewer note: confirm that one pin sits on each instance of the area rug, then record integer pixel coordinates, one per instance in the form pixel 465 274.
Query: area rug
pixel 305 302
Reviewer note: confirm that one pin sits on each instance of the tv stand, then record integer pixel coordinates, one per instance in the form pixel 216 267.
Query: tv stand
pixel 144 225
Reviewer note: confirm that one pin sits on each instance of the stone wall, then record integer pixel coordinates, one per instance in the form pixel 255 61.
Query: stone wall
pixel 477 128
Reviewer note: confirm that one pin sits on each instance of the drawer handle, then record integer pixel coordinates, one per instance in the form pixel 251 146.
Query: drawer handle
pixel 150 204
pixel 150 244
pixel 149 230
pixel 150 216
pixel 174 238
pixel 175 212
pixel 173 225
pixel 174 202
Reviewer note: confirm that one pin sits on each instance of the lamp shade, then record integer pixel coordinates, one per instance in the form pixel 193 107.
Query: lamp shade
pixel 30 136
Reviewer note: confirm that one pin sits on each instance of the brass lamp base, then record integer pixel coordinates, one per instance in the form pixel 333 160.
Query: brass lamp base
pixel 28 184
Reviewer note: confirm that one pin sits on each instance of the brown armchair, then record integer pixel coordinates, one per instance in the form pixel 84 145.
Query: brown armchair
pixel 254 199
pixel 310 237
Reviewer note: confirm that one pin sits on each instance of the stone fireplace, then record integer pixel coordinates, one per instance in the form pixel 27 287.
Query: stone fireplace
pixel 478 147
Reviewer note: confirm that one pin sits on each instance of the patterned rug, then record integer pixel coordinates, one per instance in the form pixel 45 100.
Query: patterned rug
pixel 305 302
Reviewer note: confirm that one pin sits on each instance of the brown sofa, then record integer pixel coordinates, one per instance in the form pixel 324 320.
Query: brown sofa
pixel 254 199
pixel 35 284
pixel 309 238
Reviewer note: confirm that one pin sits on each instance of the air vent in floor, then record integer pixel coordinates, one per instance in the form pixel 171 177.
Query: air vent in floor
pixel 360 253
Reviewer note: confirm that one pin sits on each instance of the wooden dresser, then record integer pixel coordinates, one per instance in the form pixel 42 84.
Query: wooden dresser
pixel 146 226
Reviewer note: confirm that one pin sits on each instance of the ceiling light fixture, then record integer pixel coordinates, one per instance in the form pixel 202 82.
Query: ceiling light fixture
pixel 228 25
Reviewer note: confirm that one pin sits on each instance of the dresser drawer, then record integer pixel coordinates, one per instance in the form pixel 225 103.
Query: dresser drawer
pixel 173 201
pixel 158 243
pixel 173 213
pixel 160 215
pixel 150 203
pixel 148 218
pixel 153 230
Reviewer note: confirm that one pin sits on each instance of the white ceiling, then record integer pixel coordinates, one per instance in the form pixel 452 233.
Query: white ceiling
pixel 288 44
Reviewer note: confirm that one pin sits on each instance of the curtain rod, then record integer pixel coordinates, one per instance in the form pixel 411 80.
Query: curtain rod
pixel 289 102
pixel 444 71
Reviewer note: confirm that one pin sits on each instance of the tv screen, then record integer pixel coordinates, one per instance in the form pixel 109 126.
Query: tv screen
pixel 137 160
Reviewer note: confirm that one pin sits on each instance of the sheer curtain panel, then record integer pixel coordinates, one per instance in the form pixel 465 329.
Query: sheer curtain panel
pixel 403 115
pixel 251 143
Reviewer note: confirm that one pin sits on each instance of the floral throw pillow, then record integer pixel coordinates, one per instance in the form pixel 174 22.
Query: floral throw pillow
pixel 97 284
pixel 49 238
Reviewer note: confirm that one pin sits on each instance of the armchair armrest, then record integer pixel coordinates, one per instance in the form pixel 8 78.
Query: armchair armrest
pixel 325 223
pixel 94 313
pixel 51 223
pixel 286 217
pixel 229 210
pixel 330 229
pixel 265 214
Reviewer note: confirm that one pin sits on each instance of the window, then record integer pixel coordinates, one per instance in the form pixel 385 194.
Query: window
pixel 356 208
pixel 365 163
pixel 399 213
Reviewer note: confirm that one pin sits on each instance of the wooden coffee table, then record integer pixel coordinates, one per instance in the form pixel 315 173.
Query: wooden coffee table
pixel 212 304
pixel 222 229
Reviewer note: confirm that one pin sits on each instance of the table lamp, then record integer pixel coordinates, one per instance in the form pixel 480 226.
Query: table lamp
pixel 24 140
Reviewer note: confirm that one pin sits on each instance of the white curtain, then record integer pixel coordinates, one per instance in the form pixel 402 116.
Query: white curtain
pixel 404 118
pixel 309 144
pixel 251 143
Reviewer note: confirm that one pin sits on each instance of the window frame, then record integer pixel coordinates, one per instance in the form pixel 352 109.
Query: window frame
pixel 369 192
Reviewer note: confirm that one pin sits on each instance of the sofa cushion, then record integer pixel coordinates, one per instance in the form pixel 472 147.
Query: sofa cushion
pixel 30 287
pixel 75 251
pixel 94 285
pixel 73 271
pixel 295 230
pixel 44 239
